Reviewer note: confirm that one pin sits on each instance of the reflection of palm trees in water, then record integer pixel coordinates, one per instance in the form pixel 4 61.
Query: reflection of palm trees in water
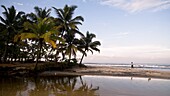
pixel 67 86
pixel 8 88
pixel 48 86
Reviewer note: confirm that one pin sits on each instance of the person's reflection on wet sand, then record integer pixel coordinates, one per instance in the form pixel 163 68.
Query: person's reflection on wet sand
pixel 149 79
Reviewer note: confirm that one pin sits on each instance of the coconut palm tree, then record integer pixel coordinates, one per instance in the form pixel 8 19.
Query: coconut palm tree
pixel 41 32
pixel 42 13
pixel 11 24
pixel 88 44
pixel 72 43
pixel 67 22
pixel 39 13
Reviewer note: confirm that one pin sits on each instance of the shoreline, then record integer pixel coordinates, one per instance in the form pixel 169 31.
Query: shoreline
pixel 26 70
pixel 109 71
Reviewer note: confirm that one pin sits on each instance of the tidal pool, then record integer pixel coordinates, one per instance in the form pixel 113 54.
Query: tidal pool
pixel 84 86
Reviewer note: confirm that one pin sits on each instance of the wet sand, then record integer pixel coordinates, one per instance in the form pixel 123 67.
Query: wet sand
pixel 111 71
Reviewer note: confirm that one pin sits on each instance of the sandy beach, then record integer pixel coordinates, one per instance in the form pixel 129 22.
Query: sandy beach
pixel 111 71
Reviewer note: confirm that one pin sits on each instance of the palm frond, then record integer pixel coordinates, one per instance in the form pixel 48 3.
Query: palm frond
pixel 90 35
pixel 58 12
pixel 96 49
pixel 82 51
pixel 24 36
pixel 77 18
pixel 77 32
pixel 90 50
pixel 73 25
pixel 19 14
pixel 3 20
pixel 4 8
pixel 53 44
pixel 33 27
pixel 95 43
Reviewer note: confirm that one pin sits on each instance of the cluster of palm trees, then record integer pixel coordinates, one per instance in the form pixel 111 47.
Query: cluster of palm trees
pixel 38 35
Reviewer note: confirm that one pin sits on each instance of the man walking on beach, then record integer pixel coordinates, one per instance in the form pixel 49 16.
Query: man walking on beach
pixel 131 64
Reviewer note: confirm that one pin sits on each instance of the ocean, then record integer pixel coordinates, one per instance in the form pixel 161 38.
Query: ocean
pixel 162 67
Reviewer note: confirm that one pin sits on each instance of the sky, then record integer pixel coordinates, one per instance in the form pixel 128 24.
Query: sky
pixel 129 30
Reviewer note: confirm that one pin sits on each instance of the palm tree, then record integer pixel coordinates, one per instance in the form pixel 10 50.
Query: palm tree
pixel 11 24
pixel 42 13
pixel 72 43
pixel 39 13
pixel 40 32
pixel 67 21
pixel 88 44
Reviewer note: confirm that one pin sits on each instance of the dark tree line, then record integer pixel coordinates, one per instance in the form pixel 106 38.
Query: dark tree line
pixel 31 37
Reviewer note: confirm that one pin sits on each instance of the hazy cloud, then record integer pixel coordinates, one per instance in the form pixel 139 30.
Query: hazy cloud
pixel 84 0
pixel 17 3
pixel 126 54
pixel 121 35
pixel 138 5
pixel 134 51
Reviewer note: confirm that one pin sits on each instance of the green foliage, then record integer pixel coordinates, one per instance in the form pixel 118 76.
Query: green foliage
pixel 69 29
pixel 10 25
pixel 88 44
pixel 35 36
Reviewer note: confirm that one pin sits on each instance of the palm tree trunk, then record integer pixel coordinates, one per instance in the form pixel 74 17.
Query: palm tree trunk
pixel 4 54
pixel 82 58
pixel 69 57
pixel 57 52
pixel 38 55
pixel 13 53
pixel 56 56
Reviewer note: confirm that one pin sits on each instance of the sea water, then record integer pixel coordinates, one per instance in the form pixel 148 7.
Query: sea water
pixel 163 67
